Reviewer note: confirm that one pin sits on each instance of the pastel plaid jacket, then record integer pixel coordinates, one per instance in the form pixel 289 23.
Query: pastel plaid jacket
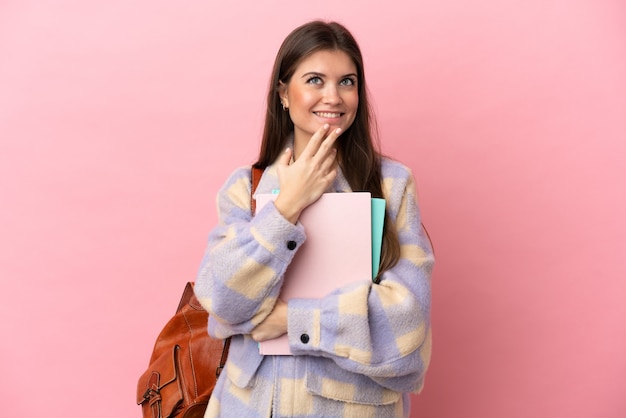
pixel 369 344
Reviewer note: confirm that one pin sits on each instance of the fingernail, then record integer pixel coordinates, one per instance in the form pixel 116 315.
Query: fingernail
pixel 338 131
pixel 326 126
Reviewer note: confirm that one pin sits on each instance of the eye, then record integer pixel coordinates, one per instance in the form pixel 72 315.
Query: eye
pixel 314 80
pixel 348 81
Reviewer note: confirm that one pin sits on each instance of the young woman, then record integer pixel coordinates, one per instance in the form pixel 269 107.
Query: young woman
pixel 370 342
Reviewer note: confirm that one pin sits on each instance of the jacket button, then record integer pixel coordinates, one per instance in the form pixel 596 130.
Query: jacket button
pixel 304 338
pixel 291 245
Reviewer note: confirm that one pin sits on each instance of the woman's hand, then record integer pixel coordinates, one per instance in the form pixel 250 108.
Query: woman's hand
pixel 274 325
pixel 304 181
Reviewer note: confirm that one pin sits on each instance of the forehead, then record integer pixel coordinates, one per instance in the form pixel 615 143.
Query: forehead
pixel 329 62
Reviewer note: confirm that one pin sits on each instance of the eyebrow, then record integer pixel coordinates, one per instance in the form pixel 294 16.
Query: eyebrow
pixel 315 73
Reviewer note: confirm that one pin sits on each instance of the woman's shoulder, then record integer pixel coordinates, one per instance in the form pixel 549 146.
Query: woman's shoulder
pixel 238 175
pixel 242 171
pixel 395 170
pixel 398 181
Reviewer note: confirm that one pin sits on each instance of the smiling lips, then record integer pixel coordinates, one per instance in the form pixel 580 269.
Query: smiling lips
pixel 328 115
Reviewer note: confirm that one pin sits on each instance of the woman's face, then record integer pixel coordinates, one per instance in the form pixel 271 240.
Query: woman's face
pixel 322 90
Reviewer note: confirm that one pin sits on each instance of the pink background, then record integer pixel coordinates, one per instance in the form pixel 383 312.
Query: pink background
pixel 119 120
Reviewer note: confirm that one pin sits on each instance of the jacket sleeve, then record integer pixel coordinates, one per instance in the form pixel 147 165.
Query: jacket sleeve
pixel 378 330
pixel 245 260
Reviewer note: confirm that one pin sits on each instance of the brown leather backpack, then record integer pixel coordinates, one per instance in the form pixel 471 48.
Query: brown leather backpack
pixel 184 365
pixel 185 361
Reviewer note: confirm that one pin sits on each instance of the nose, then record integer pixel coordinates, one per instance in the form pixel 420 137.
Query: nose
pixel 331 95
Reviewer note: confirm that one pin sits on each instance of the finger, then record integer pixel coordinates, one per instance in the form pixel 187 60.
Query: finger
pixel 258 333
pixel 316 140
pixel 327 147
pixel 331 175
pixel 285 158
pixel 332 137
pixel 329 161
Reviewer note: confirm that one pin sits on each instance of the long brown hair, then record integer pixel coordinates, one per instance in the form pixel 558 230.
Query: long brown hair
pixel 358 154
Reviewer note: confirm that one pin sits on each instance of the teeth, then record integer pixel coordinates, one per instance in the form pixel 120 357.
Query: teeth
pixel 328 114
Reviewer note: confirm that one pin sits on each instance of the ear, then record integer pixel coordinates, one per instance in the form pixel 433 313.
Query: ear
pixel 282 94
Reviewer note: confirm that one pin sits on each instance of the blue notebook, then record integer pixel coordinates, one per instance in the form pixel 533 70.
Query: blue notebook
pixel 378 221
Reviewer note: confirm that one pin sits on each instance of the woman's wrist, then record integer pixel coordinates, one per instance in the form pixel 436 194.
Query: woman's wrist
pixel 289 210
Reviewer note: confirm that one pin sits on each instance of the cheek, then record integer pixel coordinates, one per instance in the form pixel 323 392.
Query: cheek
pixel 354 103
pixel 300 99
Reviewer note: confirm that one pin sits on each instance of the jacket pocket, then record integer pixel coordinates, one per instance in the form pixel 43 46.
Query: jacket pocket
pixel 243 361
pixel 324 378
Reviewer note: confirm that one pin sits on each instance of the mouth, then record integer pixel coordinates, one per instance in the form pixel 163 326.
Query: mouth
pixel 328 115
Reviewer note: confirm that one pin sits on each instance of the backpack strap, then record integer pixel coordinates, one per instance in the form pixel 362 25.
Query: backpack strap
pixel 256 175
pixel 186 297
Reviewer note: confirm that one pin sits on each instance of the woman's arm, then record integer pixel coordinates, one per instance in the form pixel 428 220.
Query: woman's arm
pixel 378 330
pixel 241 273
